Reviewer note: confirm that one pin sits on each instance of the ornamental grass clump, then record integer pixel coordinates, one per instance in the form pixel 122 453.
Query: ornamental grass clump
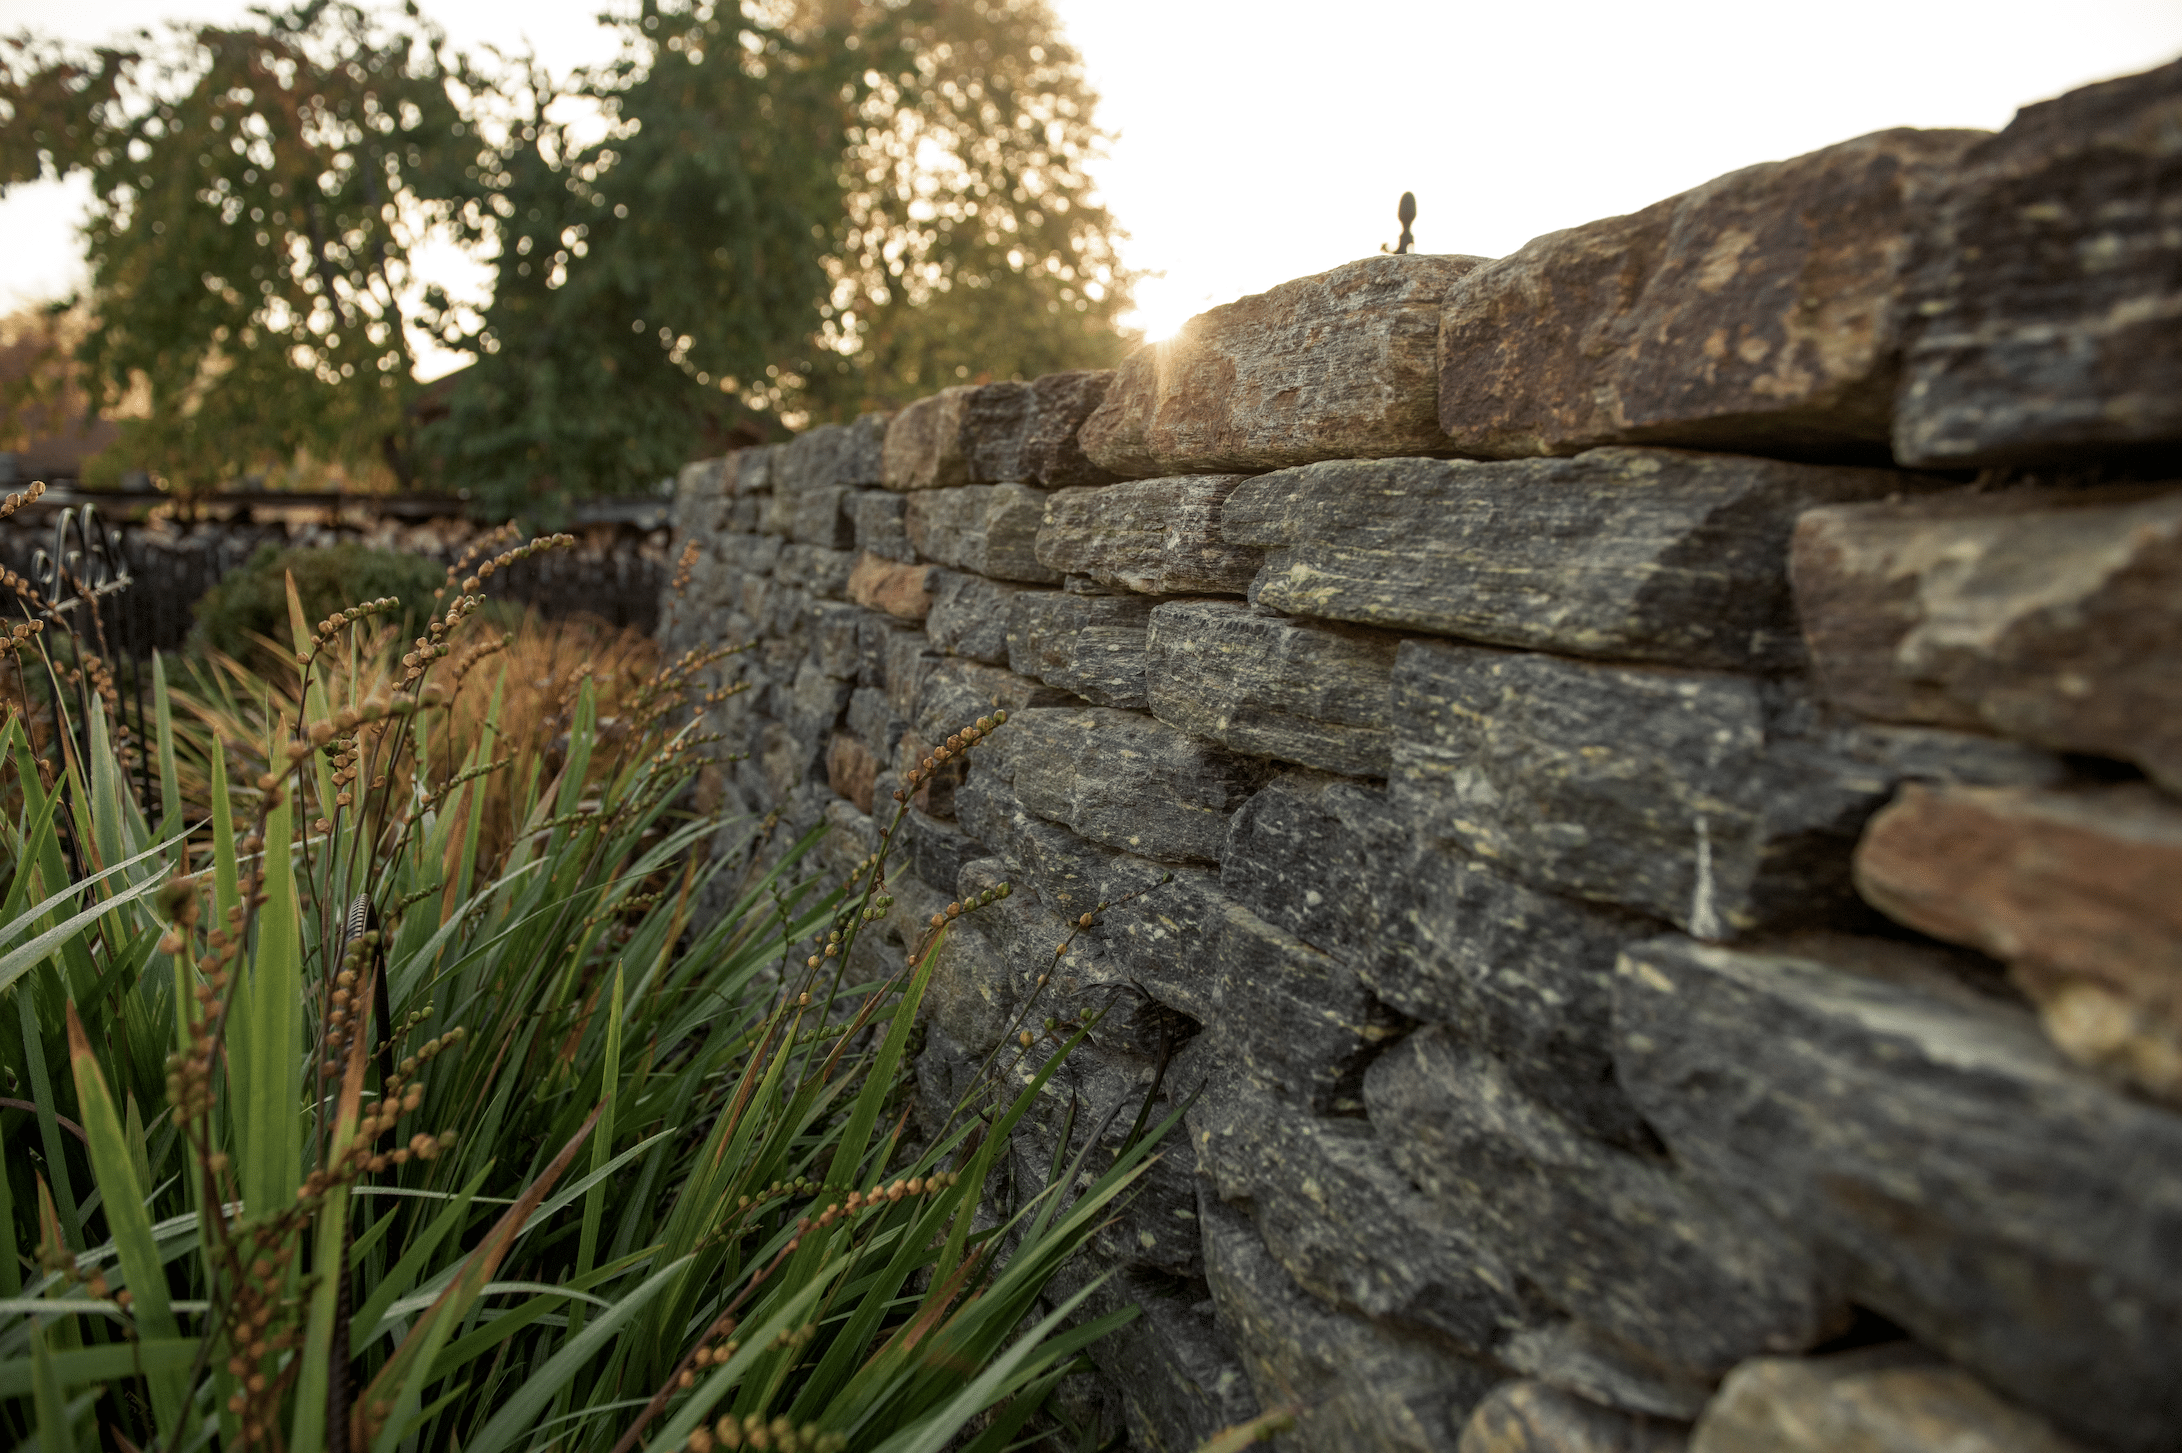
pixel 333 1121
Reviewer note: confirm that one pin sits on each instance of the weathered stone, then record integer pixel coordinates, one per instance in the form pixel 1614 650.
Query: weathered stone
pixel 751 470
pixel 1052 453
pixel 2077 891
pixel 963 435
pixel 860 461
pixel 1614 1239
pixel 815 568
pixel 1125 780
pixel 1156 536
pixel 1337 366
pixel 902 591
pixel 1887 1399
pixel 777 512
pixel 875 722
pixel 1090 645
pixel 1443 938
pixel 970 616
pixel 851 768
pixel 815 459
pixel 1176 1372
pixel 1721 803
pixel 908 659
pixel 2003 1205
pixel 783 760
pixel 991 529
pixel 936 784
pixel 996 422
pixel 836 628
pixel 1531 1417
pixel 878 517
pixel 1360 1387
pixel 938 850
pixel 1272 687
pixel 2050 615
pixel 2047 291
pixel 753 554
pixel 955 693
pixel 1757 313
pixel 1342 1219
pixel 815 703
pixel 1632 554
pixel 821 517
pixel 700 499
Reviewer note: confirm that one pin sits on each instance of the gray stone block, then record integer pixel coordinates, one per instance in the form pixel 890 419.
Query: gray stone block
pixel 820 517
pixel 878 517
pixel 996 422
pixel 1126 781
pixel 1052 453
pixel 1270 687
pixel 835 628
pixel 1091 645
pixel 874 721
pixel 1156 536
pixel 970 616
pixel 1361 1386
pixel 1614 1239
pixel 2046 294
pixel 1631 554
pixel 817 569
pixel 989 529
pixel 2003 1205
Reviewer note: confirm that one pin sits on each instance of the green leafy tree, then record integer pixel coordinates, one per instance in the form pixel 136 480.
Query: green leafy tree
pixel 256 194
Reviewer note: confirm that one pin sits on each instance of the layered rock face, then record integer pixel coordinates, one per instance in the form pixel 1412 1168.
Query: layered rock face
pixel 1656 885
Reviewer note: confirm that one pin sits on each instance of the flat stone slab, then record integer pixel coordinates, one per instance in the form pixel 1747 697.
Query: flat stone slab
pixel 969 616
pixel 1126 780
pixel 2054 616
pixel 880 529
pixel 1878 1397
pixel 990 529
pixel 2076 891
pixel 968 434
pixel 1723 804
pixel 1630 554
pixel 902 591
pixel 1337 366
pixel 1757 313
pixel 2006 1207
pixel 2046 293
pixel 1091 645
pixel 1315 695
pixel 1156 536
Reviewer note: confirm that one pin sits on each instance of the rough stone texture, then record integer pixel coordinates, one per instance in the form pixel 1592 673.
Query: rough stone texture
pixel 1532 1417
pixel 923 448
pixel 1126 781
pixel 1359 1386
pixel 2005 1206
pixel 879 516
pixel 700 499
pixel 1757 313
pixel 991 529
pixel 902 591
pixel 1443 938
pixel 1632 554
pixel 1156 536
pixel 1091 645
pixel 1271 687
pixel 753 469
pixel 996 422
pixel 2050 615
pixel 851 769
pixel 2047 291
pixel 1720 803
pixel 1888 1399
pixel 815 568
pixel 1337 366
pixel 1614 1239
pixel 821 517
pixel 2079 892
pixel 836 629
pixel 1052 453
pixel 970 616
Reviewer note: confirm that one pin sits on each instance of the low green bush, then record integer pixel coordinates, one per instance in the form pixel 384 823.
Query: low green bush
pixel 326 1129
pixel 252 602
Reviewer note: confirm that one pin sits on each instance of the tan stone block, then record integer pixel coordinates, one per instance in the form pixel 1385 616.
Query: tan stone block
pixel 1885 1400
pixel 902 591
pixel 923 448
pixel 2054 616
pixel 1531 1417
pixel 1755 313
pixel 2080 892
pixel 851 770
pixel 1338 366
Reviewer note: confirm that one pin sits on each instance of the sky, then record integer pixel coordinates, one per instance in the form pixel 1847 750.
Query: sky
pixel 1257 142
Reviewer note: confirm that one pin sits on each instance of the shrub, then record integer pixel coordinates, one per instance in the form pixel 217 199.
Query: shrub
pixel 345 1131
pixel 252 603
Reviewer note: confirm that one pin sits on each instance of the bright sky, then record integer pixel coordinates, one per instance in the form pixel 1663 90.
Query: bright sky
pixel 1261 141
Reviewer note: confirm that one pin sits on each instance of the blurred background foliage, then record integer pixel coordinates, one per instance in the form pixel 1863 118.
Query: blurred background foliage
pixel 754 217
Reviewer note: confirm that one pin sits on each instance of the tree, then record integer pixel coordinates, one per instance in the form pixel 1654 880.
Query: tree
pixel 256 195
pixel 778 209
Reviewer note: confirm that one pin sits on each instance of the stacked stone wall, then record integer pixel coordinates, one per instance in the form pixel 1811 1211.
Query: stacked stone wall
pixel 1633 782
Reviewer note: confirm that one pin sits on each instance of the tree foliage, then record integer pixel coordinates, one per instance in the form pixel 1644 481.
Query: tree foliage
pixel 778 209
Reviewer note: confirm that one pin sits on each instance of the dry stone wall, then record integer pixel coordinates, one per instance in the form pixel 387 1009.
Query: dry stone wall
pixel 1634 784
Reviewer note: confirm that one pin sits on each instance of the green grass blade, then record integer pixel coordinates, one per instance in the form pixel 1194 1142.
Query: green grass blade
pixel 170 781
pixel 55 1435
